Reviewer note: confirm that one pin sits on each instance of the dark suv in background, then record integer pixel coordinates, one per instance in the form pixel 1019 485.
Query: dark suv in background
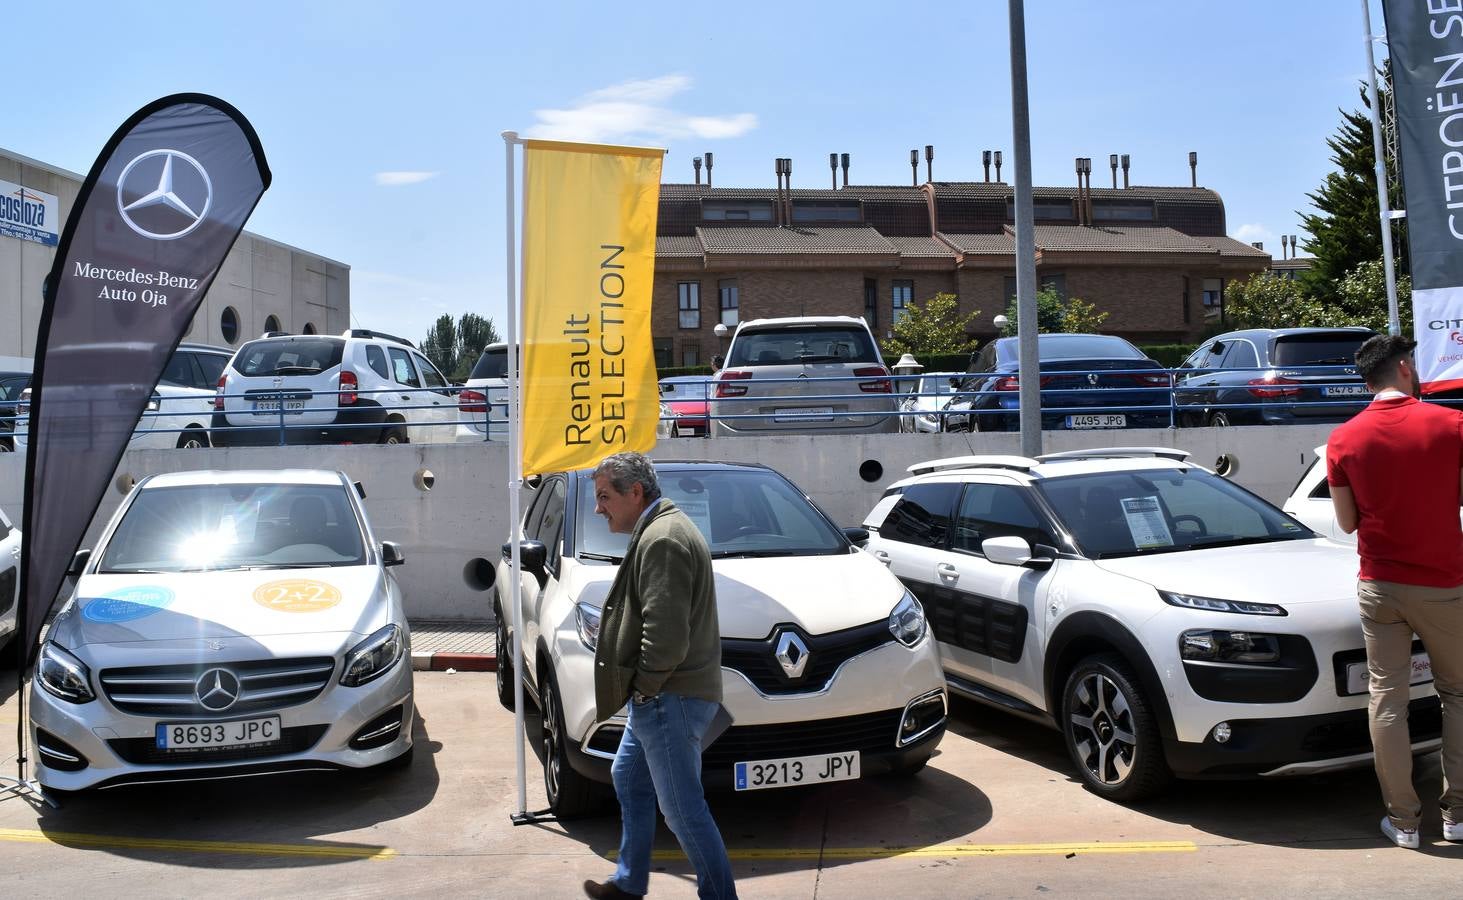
pixel 1273 376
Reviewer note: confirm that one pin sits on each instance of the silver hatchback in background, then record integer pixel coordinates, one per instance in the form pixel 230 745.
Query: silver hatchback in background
pixel 809 374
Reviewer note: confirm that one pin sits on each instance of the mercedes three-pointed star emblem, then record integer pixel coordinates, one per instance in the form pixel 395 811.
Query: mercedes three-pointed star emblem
pixel 217 689
pixel 187 209
pixel 791 654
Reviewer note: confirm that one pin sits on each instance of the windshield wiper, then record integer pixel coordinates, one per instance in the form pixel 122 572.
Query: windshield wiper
pixel 754 554
pixel 1145 551
pixel 1330 361
pixel 816 357
pixel 1236 542
pixel 602 557
pixel 295 370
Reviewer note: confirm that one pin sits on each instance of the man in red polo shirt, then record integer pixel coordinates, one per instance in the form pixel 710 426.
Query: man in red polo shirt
pixel 1394 472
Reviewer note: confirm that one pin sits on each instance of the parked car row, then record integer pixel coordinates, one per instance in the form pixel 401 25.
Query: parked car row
pixel 1165 621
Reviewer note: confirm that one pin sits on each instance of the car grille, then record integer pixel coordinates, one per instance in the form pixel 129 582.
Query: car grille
pixel 144 751
pixel 826 652
pixel 7 589
pixel 172 690
pixel 868 733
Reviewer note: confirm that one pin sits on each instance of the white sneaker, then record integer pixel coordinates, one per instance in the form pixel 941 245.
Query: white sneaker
pixel 1406 839
pixel 1453 831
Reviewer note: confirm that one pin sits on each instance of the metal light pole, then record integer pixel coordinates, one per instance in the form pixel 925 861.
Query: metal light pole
pixel 1394 325
pixel 1026 324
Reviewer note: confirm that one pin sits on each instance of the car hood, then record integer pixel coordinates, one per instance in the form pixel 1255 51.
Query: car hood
pixel 1285 572
pixel 818 593
pixel 271 607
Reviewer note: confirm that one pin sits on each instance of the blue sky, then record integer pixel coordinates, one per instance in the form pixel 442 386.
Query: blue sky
pixel 380 120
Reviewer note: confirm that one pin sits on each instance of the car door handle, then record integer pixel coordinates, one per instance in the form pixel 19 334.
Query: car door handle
pixel 882 556
pixel 946 570
pixel 406 398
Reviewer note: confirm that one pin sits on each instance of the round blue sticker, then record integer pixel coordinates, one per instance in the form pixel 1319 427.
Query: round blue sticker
pixel 127 604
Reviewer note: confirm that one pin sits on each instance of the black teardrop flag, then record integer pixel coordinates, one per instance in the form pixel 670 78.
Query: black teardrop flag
pixel 156 216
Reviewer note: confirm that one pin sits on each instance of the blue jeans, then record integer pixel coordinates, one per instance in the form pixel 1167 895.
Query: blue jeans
pixel 660 760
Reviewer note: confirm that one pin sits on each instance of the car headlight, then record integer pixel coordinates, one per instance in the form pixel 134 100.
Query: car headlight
pixel 907 621
pixel 586 619
pixel 1209 645
pixel 64 676
pixel 372 657
pixel 1212 604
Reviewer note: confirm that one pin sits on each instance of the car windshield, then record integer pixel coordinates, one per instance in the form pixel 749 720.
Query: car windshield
pixel 1318 349
pixel 196 528
pixel 288 356
pixel 492 364
pixel 1074 346
pixel 685 390
pixel 803 344
pixel 740 512
pixel 1114 514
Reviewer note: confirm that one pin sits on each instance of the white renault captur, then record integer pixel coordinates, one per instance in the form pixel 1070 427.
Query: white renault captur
pixel 827 668
pixel 1165 620
pixel 227 624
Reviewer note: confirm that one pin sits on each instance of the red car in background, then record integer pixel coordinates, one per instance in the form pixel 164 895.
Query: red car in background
pixel 685 397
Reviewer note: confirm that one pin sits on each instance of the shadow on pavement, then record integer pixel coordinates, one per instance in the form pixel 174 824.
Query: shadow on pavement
pixel 1336 811
pixel 276 810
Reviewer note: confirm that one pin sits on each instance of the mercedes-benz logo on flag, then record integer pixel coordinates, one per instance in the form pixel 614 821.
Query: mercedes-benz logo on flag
pixel 791 654
pixel 164 194
pixel 217 689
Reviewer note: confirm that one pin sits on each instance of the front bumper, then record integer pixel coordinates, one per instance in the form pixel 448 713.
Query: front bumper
pixel 114 748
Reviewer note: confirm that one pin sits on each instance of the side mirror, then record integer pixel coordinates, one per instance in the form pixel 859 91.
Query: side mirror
pixel 857 535
pixel 1013 551
pixel 391 554
pixel 78 562
pixel 533 556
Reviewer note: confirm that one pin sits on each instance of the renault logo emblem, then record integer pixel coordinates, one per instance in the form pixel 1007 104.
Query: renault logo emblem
pixel 792 654
pixel 217 689
pixel 169 200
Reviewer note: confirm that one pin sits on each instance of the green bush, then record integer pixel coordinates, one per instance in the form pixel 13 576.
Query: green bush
pixel 1170 355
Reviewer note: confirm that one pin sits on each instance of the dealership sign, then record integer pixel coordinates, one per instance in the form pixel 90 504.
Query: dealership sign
pixel 29 215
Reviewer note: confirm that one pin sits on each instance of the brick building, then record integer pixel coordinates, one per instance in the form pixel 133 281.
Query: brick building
pixel 1155 258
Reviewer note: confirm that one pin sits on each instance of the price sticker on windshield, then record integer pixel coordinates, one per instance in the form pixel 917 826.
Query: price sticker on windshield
pixel 297 595
pixel 1146 523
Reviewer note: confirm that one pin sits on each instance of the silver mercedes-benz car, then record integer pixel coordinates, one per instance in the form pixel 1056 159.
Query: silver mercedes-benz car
pixel 227 624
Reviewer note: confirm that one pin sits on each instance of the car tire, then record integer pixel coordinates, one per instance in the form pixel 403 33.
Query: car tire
pixel 193 439
pixel 503 673
pixel 1219 419
pixel 1111 731
pixel 394 435
pixel 570 795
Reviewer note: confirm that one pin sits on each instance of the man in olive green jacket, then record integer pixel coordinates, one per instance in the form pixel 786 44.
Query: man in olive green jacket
pixel 660 649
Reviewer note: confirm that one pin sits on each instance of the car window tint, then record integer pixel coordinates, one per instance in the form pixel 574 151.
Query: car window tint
pixel 212 367
pixel 548 527
pixel 430 375
pixel 995 510
pixel 535 514
pixel 922 515
pixel 792 346
pixel 492 364
pixel 298 356
pixel 376 359
pixel 1318 349
pixel 1085 346
pixel 178 372
pixel 401 369
pixel 1322 490
pixel 1240 355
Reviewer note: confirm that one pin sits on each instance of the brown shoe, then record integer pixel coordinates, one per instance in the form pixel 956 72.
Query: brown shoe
pixel 607 891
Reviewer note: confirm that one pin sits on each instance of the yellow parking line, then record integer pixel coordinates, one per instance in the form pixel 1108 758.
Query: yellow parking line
pixel 945 850
pixel 72 839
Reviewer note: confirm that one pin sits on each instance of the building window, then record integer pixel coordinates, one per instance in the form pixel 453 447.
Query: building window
pixel 871 302
pixel 271 323
pixel 1056 281
pixel 726 290
pixel 1046 210
pixel 803 212
pixel 1121 211
pixel 733 211
pixel 903 295
pixel 690 303
pixel 690 354
pixel 662 348
pixel 1213 292
pixel 228 323
pixel 1186 299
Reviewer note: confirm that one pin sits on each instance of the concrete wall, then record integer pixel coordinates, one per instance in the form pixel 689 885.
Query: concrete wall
pixel 465 513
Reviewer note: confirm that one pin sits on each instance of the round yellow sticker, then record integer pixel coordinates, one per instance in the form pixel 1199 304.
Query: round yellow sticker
pixel 296 595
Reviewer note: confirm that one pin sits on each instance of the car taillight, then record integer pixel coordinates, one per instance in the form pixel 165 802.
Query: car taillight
pixel 882 383
pixel 724 389
pixel 1273 385
pixel 1013 383
pixel 472 402
pixel 1155 380
pixel 218 398
pixel 348 385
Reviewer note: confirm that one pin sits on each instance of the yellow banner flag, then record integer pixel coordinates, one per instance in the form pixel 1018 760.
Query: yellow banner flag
pixel 589 386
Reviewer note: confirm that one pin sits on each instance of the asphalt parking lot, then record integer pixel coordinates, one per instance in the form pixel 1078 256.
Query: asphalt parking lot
pixel 996 814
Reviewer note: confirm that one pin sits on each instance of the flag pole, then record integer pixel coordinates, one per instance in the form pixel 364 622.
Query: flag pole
pixel 1394 325
pixel 515 484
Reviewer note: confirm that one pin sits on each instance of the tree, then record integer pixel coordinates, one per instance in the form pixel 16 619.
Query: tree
pixel 440 344
pixel 474 333
pixel 1362 297
pixel 932 327
pixel 1346 231
pixel 1055 315
pixel 1267 301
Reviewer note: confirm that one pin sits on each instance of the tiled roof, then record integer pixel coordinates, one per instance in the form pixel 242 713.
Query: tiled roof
pixel 679 245
pixel 742 239
pixel 982 243
pixel 1228 246
pixel 1295 262
pixel 685 191
pixel 1001 189
pixel 921 247
pixel 1080 238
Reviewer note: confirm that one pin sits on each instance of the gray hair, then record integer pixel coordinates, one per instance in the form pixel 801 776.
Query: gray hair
pixel 626 469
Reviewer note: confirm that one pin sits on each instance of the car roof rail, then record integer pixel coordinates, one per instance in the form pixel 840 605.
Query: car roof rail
pixel 368 333
pixel 270 334
pixel 1172 453
pixel 1018 463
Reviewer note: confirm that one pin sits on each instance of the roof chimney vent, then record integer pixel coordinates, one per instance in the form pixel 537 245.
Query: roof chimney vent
pixel 843 159
pixel 1112 160
pixel 1292 246
pixel 833 167
pixel 1260 245
pixel 1193 169
pixel 998 165
pixel 914 167
pixel 708 168
pixel 985 160
pixel 696 164
pixel 1125 171
pixel 929 162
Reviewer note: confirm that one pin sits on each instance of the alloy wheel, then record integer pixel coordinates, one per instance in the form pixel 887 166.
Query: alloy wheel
pixel 553 741
pixel 1103 731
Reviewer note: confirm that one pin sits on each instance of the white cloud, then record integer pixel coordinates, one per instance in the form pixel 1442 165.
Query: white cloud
pixel 397 179
pixel 636 109
pixel 1253 232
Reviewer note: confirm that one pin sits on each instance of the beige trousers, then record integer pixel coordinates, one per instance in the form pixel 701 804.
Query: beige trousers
pixel 1390 614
